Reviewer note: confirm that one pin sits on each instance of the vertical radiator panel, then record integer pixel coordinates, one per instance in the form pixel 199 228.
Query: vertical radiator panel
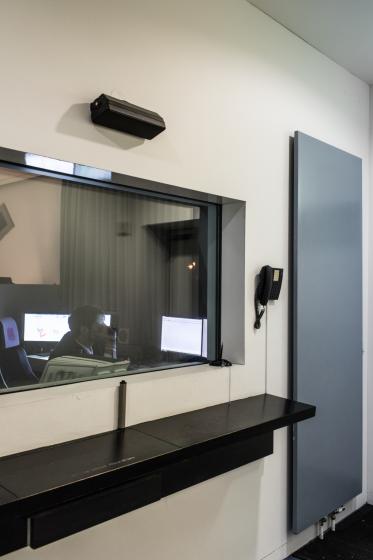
pixel 327 328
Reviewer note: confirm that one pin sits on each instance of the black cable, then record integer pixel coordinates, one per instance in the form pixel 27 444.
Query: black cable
pixel 258 312
pixel 220 361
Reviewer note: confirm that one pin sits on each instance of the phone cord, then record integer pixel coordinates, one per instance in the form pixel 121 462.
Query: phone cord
pixel 258 314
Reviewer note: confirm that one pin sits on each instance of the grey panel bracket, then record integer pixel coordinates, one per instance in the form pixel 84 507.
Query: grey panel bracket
pixel 122 401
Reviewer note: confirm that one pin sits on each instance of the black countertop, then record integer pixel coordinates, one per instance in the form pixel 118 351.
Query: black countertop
pixel 175 449
pixel 250 416
pixel 140 448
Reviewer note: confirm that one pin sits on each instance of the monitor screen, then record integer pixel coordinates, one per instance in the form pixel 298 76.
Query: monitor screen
pixel 48 327
pixel 181 335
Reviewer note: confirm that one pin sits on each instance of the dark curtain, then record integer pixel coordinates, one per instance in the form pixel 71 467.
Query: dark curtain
pixel 111 258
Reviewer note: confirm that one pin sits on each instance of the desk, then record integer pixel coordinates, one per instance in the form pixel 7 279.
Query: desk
pixel 38 362
pixel 62 489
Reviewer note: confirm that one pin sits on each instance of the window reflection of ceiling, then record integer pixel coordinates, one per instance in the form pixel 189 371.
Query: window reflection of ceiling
pixel 8 176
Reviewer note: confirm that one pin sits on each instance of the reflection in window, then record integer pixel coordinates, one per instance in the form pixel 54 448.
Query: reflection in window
pixel 99 282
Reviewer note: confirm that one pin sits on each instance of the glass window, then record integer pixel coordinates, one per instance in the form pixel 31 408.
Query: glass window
pixel 98 281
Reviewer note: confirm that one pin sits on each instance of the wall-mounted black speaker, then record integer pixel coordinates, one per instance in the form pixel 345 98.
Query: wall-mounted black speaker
pixel 121 115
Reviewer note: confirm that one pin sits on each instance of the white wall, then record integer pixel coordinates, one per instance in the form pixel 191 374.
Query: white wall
pixel 233 86
pixel 370 324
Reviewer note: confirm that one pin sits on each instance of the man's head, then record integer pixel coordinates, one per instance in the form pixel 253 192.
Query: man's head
pixel 87 323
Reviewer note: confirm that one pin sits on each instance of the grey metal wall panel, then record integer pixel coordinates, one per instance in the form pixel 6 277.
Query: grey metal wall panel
pixel 327 328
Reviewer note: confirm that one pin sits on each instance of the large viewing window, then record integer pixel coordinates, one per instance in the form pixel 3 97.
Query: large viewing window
pixel 100 280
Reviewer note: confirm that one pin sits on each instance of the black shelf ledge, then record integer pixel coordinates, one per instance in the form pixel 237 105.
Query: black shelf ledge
pixel 49 493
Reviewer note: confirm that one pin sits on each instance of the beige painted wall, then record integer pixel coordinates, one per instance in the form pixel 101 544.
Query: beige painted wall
pixel 233 86
pixel 30 252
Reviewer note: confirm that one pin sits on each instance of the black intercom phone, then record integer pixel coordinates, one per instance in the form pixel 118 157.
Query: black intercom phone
pixel 269 287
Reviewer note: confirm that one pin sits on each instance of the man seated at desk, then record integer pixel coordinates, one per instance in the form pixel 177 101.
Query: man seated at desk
pixel 88 335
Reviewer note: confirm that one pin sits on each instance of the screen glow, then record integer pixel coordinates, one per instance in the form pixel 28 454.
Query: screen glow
pixel 181 335
pixel 48 327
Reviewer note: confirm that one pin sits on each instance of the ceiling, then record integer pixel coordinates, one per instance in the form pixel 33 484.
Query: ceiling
pixel 340 29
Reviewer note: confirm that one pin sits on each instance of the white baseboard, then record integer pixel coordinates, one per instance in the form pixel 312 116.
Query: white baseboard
pixel 278 554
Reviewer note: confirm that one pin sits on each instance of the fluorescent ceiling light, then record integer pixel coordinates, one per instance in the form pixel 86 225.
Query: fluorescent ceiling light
pixel 49 163
pixel 92 172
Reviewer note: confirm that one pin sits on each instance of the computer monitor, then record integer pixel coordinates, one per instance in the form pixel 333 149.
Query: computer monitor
pixel 182 335
pixel 48 327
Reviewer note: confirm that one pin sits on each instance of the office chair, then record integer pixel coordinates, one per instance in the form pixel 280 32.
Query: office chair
pixel 15 369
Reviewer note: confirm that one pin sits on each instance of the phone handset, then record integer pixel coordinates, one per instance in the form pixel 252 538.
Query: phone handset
pixel 268 288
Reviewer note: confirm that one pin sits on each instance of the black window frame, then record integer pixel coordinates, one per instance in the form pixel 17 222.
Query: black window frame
pixel 101 178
